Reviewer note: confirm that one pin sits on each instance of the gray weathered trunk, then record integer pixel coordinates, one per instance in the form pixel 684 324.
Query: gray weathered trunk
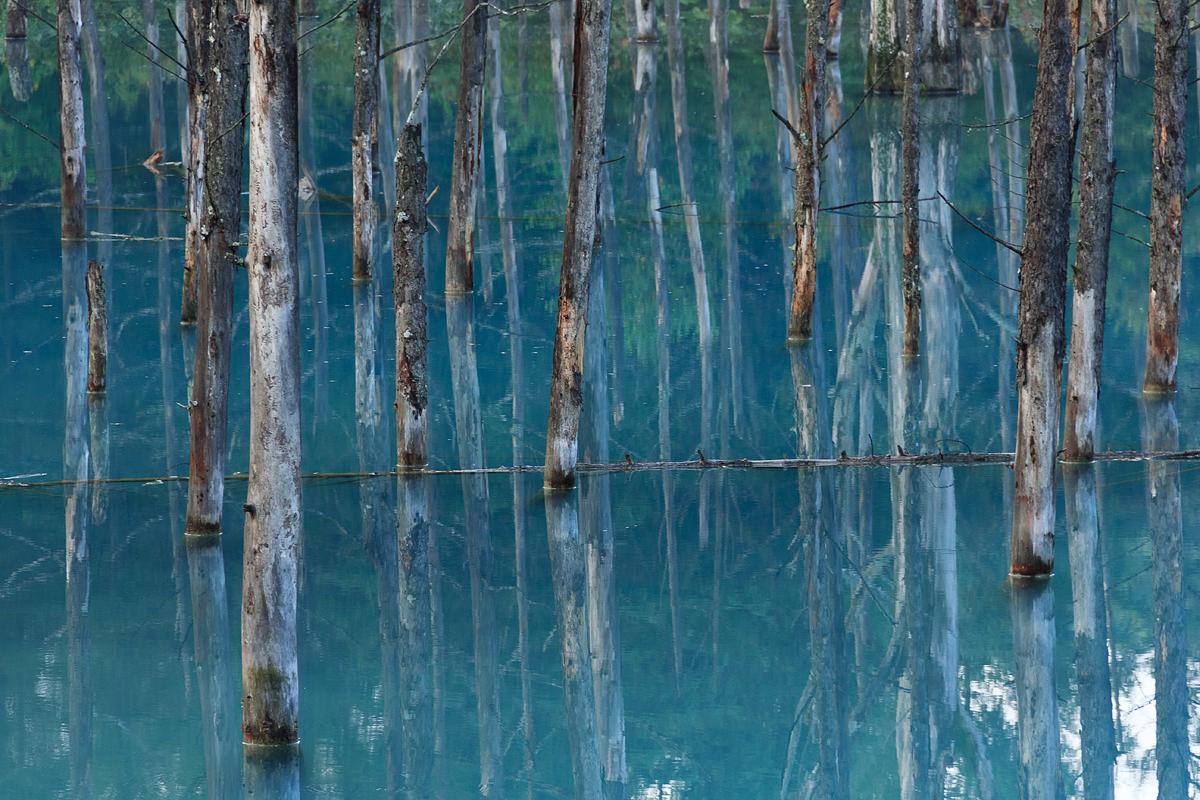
pixel 885 63
pixel 1097 173
pixel 16 51
pixel 1098 741
pixel 99 138
pixel 155 92
pixel 72 164
pixel 468 145
pixel 1166 194
pixel 1043 288
pixel 1032 606
pixel 97 324
pixel 198 19
pixel 270 684
pixel 365 137
pixel 808 173
pixel 416 634
pixel 412 339
pixel 590 90
pixel 940 69
pixel 222 72
pixel 647 22
pixel 910 166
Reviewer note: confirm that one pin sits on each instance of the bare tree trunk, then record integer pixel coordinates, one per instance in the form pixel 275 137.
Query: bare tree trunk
pixel 910 166
pixel 833 45
pixel 72 163
pixel 468 144
pixel 1032 606
pixel 885 67
pixel 940 68
pixel 808 173
pixel 97 325
pixel 1097 173
pixel 416 634
pixel 272 772
pixel 16 51
pixel 99 139
pixel 1043 288
pixel 198 14
pixel 272 525
pixel 647 24
pixel 155 93
pixel 1166 195
pixel 771 37
pixel 365 141
pixel 408 260
pixel 590 90
pixel 223 73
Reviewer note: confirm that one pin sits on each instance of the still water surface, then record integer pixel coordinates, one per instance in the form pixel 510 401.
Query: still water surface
pixel 842 633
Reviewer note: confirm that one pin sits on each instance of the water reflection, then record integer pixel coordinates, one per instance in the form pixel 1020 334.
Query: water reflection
pixel 272 773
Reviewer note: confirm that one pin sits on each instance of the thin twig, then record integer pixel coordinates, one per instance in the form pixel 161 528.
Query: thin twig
pixel 866 93
pixel 155 45
pixel 1001 124
pixel 1102 33
pixel 980 228
pixel 33 12
pixel 329 21
pixel 787 124
pixel 32 130
pixel 452 30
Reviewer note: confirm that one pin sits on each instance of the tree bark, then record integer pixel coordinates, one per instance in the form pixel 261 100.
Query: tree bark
pixel 647 24
pixel 940 70
pixel 365 141
pixel 198 20
pixel 72 163
pixel 885 67
pixel 1166 195
pixel 97 324
pixel 222 73
pixel 910 166
pixel 808 173
pixel 412 339
pixel 272 527
pixel 1097 173
pixel 1042 297
pixel 590 89
pixel 468 144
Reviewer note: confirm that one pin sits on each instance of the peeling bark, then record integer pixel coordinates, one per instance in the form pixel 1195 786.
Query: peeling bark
pixel 1166 194
pixel 1040 333
pixel 1097 173
pixel 590 90
pixel 72 163
pixel 270 686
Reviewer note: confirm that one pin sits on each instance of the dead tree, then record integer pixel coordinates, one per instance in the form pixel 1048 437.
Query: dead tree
pixel 590 90
pixel 910 166
pixel 1040 337
pixel 808 173
pixel 941 50
pixel 885 70
pixel 1032 607
pixel 222 74
pixel 272 524
pixel 97 319
pixel 197 44
pixel 647 24
pixel 408 262
pixel 468 144
pixel 155 93
pixel 16 51
pixel 1166 194
pixel 72 163
pixel 1097 173
pixel 364 143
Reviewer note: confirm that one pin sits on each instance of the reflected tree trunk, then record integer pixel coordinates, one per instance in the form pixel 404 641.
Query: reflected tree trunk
pixel 468 431
pixel 1127 34
pixel 101 141
pixel 468 145
pixel 940 69
pixel 558 75
pixel 1160 431
pixel 417 636
pixel 155 93
pixel 1166 194
pixel 365 137
pixel 1032 606
pixel 569 572
pixel 312 257
pixel 273 510
pixel 210 636
pixel 272 772
pixel 16 51
pixel 1098 742
pixel 1043 289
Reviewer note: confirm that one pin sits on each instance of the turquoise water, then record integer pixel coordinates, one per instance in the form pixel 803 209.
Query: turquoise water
pixel 753 633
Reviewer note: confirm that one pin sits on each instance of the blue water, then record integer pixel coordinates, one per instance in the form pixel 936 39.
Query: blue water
pixel 752 633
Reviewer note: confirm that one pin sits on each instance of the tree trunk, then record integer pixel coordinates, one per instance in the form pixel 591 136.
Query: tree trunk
pixel 468 143
pixel 558 74
pixel 415 641
pixel 99 138
pixel 941 51
pixel 771 37
pixel 833 46
pixel 97 324
pixel 412 339
pixel 885 65
pixel 1032 607
pixel 1166 195
pixel 223 73
pixel 272 523
pixel 182 108
pixel 155 93
pixel 808 173
pixel 1097 173
pixel 647 24
pixel 72 163
pixel 16 51
pixel 198 17
pixel 1040 335
pixel 910 166
pixel 590 90
pixel 365 141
